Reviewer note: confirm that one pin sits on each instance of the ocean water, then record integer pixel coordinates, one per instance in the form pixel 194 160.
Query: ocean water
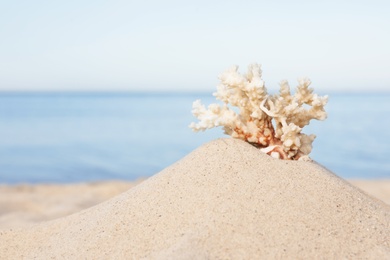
pixel 72 137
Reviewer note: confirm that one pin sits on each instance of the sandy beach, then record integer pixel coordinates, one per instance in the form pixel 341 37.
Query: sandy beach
pixel 225 200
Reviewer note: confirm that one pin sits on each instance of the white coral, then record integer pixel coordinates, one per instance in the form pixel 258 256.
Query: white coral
pixel 271 122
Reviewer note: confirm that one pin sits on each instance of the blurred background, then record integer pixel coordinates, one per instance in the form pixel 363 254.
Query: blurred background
pixel 98 90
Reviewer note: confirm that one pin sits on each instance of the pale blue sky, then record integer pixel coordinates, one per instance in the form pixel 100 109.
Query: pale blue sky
pixel 184 45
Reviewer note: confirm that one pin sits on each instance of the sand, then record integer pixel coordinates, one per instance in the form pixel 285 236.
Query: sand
pixel 379 189
pixel 22 205
pixel 225 200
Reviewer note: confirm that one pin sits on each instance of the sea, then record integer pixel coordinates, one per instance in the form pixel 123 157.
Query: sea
pixel 68 137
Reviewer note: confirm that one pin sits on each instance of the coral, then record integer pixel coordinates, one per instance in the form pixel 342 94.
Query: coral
pixel 272 123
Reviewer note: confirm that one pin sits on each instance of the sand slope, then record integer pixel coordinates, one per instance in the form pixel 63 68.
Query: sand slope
pixel 225 200
pixel 378 188
pixel 25 204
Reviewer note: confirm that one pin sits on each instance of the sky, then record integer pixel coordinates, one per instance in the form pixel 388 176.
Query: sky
pixel 183 46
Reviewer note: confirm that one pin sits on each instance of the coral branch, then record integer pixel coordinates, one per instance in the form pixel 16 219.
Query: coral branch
pixel 271 123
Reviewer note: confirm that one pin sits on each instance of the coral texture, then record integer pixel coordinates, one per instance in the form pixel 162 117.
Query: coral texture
pixel 272 123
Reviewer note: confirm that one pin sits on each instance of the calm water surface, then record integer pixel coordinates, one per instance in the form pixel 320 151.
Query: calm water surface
pixel 69 137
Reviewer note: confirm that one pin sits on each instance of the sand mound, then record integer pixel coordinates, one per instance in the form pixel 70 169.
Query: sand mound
pixel 224 200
